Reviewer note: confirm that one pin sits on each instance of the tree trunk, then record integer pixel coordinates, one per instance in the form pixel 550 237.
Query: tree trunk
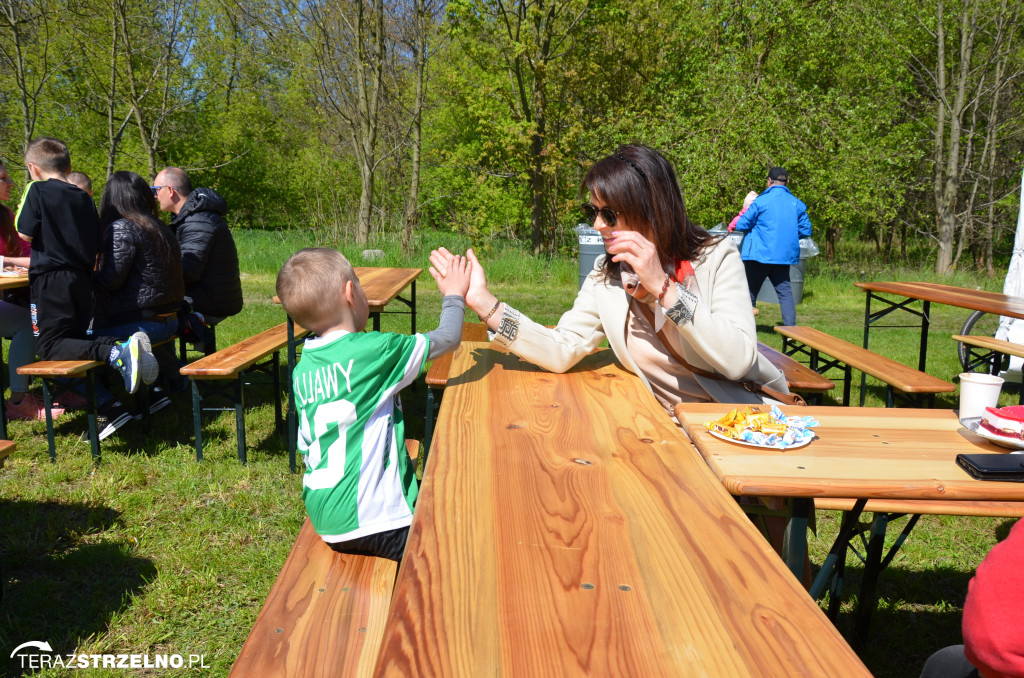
pixel 412 211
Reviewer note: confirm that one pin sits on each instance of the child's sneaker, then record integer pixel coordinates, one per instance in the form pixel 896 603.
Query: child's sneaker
pixel 129 358
pixel 148 365
pixel 30 409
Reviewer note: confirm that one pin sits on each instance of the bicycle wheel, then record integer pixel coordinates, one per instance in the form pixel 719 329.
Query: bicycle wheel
pixel 981 324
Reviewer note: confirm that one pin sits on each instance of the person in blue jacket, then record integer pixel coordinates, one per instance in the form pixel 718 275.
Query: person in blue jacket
pixel 776 221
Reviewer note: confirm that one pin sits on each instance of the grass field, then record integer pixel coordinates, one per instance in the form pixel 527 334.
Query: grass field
pixel 149 552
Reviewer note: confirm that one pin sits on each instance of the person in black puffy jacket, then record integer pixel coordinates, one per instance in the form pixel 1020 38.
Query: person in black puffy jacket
pixel 138 276
pixel 213 287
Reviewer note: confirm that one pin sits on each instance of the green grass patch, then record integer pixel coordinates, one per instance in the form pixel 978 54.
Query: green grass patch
pixel 151 552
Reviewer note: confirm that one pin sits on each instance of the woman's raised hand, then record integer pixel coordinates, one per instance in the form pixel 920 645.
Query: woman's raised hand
pixel 478 298
pixel 633 248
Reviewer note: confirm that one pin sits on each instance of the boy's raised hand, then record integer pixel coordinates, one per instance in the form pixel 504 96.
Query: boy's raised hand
pixel 451 273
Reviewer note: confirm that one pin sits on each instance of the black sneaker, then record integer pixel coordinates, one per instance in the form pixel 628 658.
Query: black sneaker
pixel 109 419
pixel 158 400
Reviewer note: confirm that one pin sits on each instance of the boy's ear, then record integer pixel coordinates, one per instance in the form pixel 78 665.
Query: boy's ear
pixel 349 290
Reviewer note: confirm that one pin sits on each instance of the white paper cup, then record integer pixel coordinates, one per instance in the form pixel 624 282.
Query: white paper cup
pixel 978 391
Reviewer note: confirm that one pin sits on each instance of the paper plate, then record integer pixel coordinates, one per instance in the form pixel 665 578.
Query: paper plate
pixel 974 424
pixel 795 446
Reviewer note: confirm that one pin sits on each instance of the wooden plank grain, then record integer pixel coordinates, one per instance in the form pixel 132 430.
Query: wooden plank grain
pixel 859 452
pixel 324 616
pixel 566 528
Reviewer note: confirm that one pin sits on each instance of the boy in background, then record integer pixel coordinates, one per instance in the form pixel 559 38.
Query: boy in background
pixel 360 485
pixel 61 223
pixel 82 180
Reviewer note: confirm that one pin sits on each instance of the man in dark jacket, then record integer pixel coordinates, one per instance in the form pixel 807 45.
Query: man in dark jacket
pixel 208 255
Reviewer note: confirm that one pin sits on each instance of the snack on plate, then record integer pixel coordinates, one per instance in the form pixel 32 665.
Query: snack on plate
pixel 1004 421
pixel 767 428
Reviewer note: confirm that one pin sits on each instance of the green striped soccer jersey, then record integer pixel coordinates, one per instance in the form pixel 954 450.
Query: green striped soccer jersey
pixel 359 479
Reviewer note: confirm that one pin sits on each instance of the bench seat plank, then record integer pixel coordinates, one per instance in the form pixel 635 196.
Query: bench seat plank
pixel 228 362
pixel 991 344
pixel 897 375
pixel 6 447
pixel 324 616
pixel 991 509
pixel 59 368
pixel 798 376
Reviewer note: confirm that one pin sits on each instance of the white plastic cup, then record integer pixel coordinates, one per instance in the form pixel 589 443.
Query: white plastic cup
pixel 978 391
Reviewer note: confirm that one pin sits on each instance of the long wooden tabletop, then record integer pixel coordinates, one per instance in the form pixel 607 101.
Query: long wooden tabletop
pixel 565 527
pixel 382 285
pixel 10 282
pixel 859 452
pixel 962 297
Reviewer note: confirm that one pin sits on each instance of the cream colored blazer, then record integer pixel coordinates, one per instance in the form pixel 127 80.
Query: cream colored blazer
pixel 721 337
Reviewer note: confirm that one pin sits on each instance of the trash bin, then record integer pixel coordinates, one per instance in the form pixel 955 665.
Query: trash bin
pixel 591 247
pixel 808 249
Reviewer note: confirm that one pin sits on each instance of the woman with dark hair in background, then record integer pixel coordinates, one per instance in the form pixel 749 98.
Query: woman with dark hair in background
pixel 138 279
pixel 15 320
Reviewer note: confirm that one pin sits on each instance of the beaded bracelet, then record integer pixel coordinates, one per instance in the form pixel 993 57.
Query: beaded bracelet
pixel 493 311
pixel 664 288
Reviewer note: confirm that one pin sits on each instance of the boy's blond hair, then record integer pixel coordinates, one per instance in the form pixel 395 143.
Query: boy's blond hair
pixel 49 154
pixel 310 286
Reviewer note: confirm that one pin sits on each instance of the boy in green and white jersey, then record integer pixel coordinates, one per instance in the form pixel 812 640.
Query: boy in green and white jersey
pixel 360 485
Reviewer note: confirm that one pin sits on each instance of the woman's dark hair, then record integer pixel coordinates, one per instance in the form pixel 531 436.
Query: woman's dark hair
pixel 8 233
pixel 639 184
pixel 128 196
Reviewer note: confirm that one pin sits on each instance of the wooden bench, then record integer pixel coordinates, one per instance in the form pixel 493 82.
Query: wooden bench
pixel 801 379
pixel 6 447
pixel 46 370
pixel 896 376
pixel 437 378
pixel 324 616
pixel 231 364
pixel 984 350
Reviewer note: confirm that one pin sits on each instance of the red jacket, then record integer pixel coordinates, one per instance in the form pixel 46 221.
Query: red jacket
pixel 993 624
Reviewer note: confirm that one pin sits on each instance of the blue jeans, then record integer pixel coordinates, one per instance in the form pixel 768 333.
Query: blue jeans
pixel 157 330
pixel 779 275
pixel 16 323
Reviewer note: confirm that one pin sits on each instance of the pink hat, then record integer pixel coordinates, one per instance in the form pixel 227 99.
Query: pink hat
pixel 749 199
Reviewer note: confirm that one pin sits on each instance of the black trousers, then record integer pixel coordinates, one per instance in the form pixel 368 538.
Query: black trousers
pixel 390 544
pixel 62 303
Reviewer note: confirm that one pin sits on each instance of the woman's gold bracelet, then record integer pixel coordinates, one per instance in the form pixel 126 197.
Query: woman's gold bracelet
pixel 493 311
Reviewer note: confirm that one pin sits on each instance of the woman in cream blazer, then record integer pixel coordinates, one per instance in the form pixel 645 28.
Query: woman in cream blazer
pixel 693 284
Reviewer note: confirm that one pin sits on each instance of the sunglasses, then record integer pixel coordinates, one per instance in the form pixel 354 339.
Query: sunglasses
pixel 156 189
pixel 591 212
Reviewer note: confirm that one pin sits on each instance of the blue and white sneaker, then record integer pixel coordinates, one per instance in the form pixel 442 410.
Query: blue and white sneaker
pixel 149 368
pixel 134 360
pixel 124 358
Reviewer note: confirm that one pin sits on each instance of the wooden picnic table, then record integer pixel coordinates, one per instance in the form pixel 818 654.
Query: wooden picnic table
pixel 9 281
pixel 565 527
pixel 861 453
pixel 926 292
